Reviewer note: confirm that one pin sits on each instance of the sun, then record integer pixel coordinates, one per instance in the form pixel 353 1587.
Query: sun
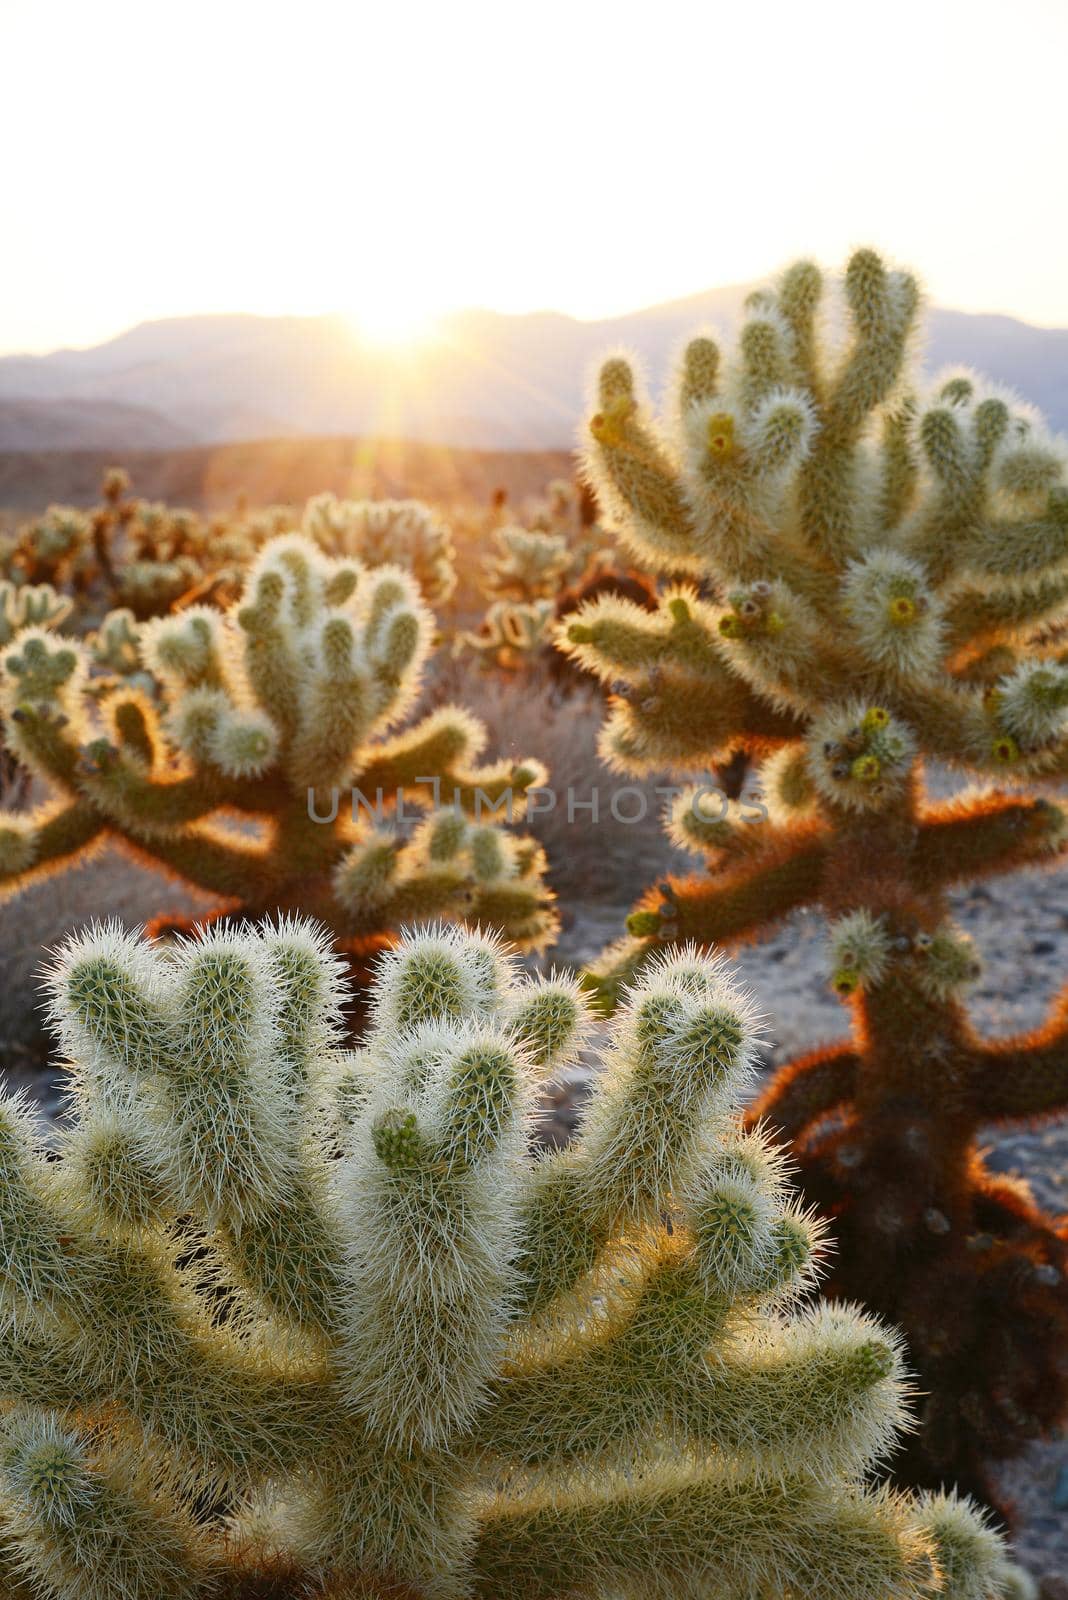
pixel 393 321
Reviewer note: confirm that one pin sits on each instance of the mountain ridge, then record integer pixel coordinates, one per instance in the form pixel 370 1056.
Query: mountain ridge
pixel 486 380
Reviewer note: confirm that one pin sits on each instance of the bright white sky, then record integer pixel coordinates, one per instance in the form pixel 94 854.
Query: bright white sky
pixel 397 159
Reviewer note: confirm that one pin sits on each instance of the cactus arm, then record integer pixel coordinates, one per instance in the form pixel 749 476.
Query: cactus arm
pixel 1025 1077
pixel 432 1184
pixel 656 1535
pixel 755 894
pixel 451 866
pixel 502 785
pixel 66 831
pixel 444 747
pixel 231 1414
pixel 629 463
pixel 641 1131
pixel 42 738
pixel 980 836
pixel 792 669
pixel 36 843
pixel 211 858
pixel 161 1359
pixel 438 742
pixel 676 723
pixel 140 804
pixel 522 909
pixel 86 1524
pixel 828 1397
pixel 1022 552
pixel 616 638
pixel 735 905
pixel 288 1256
pixel 974 613
pixel 946 717
pixel 805 1089
pixel 882 308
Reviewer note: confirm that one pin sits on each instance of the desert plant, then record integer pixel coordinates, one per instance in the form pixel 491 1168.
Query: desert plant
pixel 513 633
pixel 23 606
pixel 285 1320
pixel 152 588
pixel 237 776
pixel 163 558
pixel 888 565
pixel 28 606
pixel 403 533
pixel 56 548
pixel 527 564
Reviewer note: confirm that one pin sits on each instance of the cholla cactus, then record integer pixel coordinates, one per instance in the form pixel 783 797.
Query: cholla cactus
pixel 886 565
pixel 285 1320
pixel 512 633
pixel 279 713
pixel 163 556
pixel 30 606
pixel 151 588
pixel 403 533
pixel 115 647
pixel 114 658
pixel 57 548
pixel 526 565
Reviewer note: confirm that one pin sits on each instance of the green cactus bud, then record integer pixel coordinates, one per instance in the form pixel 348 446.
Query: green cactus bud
pixel 398 1142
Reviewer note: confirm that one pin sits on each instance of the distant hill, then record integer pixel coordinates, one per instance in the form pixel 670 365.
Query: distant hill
pixel 280 471
pixel 34 424
pixel 487 381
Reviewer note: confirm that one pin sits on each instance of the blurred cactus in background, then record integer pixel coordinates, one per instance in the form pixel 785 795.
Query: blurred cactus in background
pixel 56 548
pixel 526 564
pixel 889 570
pixel 139 555
pixel 236 774
pixel 512 634
pixel 29 606
pixel 403 533
pixel 284 1320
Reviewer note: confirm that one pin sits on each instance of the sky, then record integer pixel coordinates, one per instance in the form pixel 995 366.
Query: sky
pixel 394 161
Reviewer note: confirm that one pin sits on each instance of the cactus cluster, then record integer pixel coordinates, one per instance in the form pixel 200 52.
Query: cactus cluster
pixel 56 548
pixel 282 1319
pixel 881 571
pixel 162 558
pixel 527 564
pixel 247 772
pixel 402 533
pixel 139 555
